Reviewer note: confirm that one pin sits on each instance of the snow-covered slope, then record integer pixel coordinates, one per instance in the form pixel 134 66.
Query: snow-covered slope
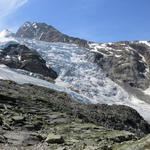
pixel 14 75
pixel 6 39
pixel 5 33
pixel 78 77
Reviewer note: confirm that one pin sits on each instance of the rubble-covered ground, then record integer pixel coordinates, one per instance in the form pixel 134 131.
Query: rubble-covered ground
pixel 33 117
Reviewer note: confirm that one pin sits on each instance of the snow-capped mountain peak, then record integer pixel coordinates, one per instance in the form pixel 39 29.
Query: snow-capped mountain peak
pixel 6 37
pixel 44 32
pixel 6 33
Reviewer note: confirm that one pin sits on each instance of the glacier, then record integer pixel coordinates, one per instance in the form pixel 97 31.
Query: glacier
pixel 77 73
pixel 12 74
pixel 81 79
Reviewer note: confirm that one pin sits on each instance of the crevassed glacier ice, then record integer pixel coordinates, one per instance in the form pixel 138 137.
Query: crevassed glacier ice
pixel 10 74
pixel 77 73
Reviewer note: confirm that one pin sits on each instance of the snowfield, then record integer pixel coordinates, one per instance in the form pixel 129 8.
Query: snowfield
pixel 81 79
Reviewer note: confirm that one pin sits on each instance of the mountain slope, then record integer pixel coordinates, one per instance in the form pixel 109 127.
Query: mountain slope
pixel 34 117
pixel 117 117
pixel 127 62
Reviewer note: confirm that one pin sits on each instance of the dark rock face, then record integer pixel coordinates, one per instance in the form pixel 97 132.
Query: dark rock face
pixel 44 32
pixel 127 62
pixel 20 57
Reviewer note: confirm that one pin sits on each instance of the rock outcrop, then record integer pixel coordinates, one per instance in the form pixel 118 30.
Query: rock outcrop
pixel 126 62
pixel 21 57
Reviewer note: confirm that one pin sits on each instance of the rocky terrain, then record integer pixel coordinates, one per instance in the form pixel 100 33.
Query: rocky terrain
pixel 34 117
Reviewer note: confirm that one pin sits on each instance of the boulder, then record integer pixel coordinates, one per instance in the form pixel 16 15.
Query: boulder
pixel 18 119
pixel 142 144
pixel 54 139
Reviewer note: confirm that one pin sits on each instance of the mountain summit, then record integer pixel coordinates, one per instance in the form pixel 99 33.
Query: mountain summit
pixel 44 32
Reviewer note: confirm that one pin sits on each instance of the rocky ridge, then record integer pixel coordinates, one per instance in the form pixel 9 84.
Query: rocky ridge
pixel 44 32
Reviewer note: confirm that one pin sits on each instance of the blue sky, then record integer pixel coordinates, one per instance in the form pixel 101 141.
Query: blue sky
pixel 95 20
